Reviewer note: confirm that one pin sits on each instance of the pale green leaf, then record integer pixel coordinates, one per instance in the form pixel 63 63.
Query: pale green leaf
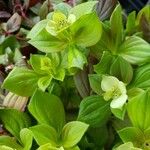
pixel 37 29
pixel 26 138
pixel 21 81
pixel 131 134
pixel 87 30
pixel 72 133
pixel 138 110
pixel 48 43
pixel 83 9
pixel 44 82
pixel 44 134
pixel 44 107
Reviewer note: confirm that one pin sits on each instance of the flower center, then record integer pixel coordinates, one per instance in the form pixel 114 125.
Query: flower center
pixel 112 94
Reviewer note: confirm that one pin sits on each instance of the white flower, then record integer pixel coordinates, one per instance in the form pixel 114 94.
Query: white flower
pixel 115 90
pixel 59 22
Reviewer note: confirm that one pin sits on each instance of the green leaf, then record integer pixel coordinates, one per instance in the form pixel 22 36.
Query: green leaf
pixel 26 138
pixel 44 134
pixel 48 146
pixel 138 110
pixel 72 133
pixel 127 146
pixel 44 107
pixel 116 27
pixel 8 43
pixel 14 121
pixel 83 9
pixel 91 110
pixel 134 92
pixel 3 147
pixel 131 134
pixel 119 113
pixel 131 51
pixel 87 30
pixel 10 142
pixel 122 70
pixel 60 75
pixel 75 58
pixel 21 81
pixel 141 77
pixel 144 12
pixel 95 83
pixel 103 66
pixel 131 23
pixel 37 29
pixel 74 148
pixel 48 43
pixel 35 61
pixel 44 9
pixel 44 82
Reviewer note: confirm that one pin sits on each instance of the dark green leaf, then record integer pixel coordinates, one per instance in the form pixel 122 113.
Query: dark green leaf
pixel 131 23
pixel 141 77
pixel 14 121
pixel 95 83
pixel 117 26
pixel 10 142
pixel 122 70
pixel 103 67
pixel 8 43
pixel 91 110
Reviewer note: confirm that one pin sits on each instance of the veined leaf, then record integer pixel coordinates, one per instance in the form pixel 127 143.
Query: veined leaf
pixel 44 134
pixel 91 110
pixel 14 121
pixel 21 81
pixel 138 110
pixel 135 50
pixel 70 136
pixel 48 43
pixel 44 107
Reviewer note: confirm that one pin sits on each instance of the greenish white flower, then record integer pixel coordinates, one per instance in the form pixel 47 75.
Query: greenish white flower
pixel 59 22
pixel 115 90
